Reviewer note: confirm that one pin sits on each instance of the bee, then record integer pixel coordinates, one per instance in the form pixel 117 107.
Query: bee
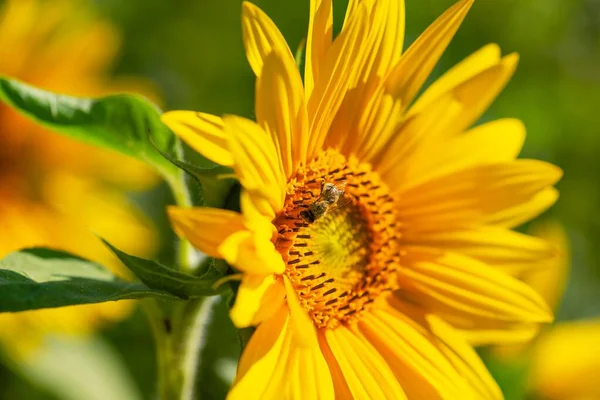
pixel 329 198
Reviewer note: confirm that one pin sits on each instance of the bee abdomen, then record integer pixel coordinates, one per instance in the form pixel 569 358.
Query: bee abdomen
pixel 308 215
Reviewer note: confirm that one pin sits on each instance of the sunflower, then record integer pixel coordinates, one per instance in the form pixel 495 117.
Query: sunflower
pixel 54 191
pixel 374 241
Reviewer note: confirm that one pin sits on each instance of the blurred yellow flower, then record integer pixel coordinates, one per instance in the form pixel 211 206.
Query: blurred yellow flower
pixel 375 235
pixel 565 362
pixel 54 191
pixel 564 359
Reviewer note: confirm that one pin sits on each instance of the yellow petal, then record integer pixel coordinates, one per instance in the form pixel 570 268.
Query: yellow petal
pixel 550 280
pixel 499 333
pixel 202 132
pixel 272 301
pixel 477 332
pixel 274 365
pixel 464 358
pixel 257 298
pixel 520 213
pixel 421 368
pixel 496 141
pixel 421 57
pixel 454 346
pixel 206 228
pixel 393 149
pixel 261 36
pixel 477 62
pixel 340 385
pixel 504 136
pixel 565 361
pixel 337 72
pixel 365 371
pixel 481 194
pixel 350 11
pixel 459 287
pixel 320 36
pixel 256 162
pixel 260 357
pixel 281 109
pixel 508 251
pixel 368 123
pixel 251 252
pixel 440 148
pixel 258 213
pixel 389 16
pixel 367 108
pixel 223 234
pixel 477 93
pixel 303 326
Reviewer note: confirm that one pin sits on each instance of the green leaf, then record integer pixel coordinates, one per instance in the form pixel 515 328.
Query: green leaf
pixel 121 122
pixel 160 277
pixel 211 184
pixel 42 278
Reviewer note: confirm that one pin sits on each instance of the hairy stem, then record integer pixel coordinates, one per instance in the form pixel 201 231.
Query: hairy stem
pixel 180 337
pixel 179 327
pixel 186 254
pixel 190 338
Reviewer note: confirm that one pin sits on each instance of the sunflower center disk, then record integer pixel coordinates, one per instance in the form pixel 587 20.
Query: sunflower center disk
pixel 337 234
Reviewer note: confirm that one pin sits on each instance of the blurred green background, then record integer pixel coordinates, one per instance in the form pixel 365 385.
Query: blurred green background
pixel 192 51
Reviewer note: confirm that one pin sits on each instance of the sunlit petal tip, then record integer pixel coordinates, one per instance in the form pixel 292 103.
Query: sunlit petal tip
pixel 492 49
pixel 466 3
pixel 549 172
pixel 320 36
pixel 248 6
pixel 407 77
pixel 261 36
pixel 203 132
pixel 510 63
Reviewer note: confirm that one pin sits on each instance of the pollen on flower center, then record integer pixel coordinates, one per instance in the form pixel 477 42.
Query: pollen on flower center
pixel 341 253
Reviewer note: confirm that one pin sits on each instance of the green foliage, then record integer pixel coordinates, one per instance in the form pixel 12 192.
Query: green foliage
pixel 129 124
pixel 177 283
pixel 511 375
pixel 84 369
pixel 209 184
pixel 121 122
pixel 41 278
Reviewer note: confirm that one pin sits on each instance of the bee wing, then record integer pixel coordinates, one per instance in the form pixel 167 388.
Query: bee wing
pixel 343 201
pixel 341 185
